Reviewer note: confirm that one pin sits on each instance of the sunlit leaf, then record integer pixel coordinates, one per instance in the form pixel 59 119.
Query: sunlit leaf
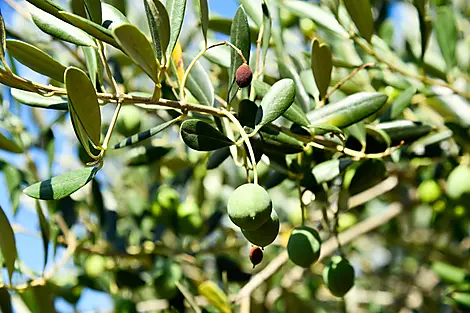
pixel 176 10
pixel 215 296
pixel 34 100
pixel 204 17
pixel 35 59
pixel 93 10
pixel 276 101
pixel 267 24
pixel 7 244
pixel 61 186
pixel 199 135
pixel 9 145
pixel 321 63
pixel 361 14
pixel 199 83
pixel 3 36
pixel 329 170
pixel 445 27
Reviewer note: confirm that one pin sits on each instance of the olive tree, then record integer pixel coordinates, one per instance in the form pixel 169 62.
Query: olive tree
pixel 298 156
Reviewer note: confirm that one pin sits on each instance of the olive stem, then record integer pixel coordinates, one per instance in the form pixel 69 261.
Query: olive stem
pixel 247 142
pixel 302 204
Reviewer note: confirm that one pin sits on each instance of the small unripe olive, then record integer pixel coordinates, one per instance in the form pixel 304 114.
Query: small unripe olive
pixel 338 276
pixel 243 76
pixel 429 191
pixel 190 221
pixel 304 246
pixel 249 206
pixel 256 255
pixel 266 234
pixel 95 265
pixel 128 122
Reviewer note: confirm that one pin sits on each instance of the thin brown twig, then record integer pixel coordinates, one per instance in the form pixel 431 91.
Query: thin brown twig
pixel 327 248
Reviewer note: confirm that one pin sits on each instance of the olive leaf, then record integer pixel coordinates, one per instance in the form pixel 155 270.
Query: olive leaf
pixel 159 24
pixel 204 17
pixel 301 96
pixel 9 145
pixel 267 25
pixel 400 104
pixel 199 83
pixel 93 10
pixel 329 170
pixel 445 27
pixel 95 30
pixel 253 9
pixel 145 134
pixel 269 139
pixel 83 102
pixel 48 6
pixel 5 301
pixel 361 14
pixel 240 38
pixel 348 111
pixel 217 157
pixel 34 100
pixel 138 48
pixel 322 65
pixel 215 296
pixel 45 230
pixel 425 24
pixel 314 12
pixel 91 61
pixel 358 131
pixel 36 59
pixel 276 101
pixel 224 25
pixel 404 130
pixel 60 29
pixel 199 135
pixel 112 17
pixel 7 244
pixel 3 38
pixel 449 273
pixel 176 10
pixel 61 186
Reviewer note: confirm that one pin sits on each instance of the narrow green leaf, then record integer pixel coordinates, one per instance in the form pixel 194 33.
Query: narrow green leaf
pixel 217 158
pixel 82 98
pixel 163 26
pixel 240 37
pixel 93 11
pixel 199 83
pixel 253 9
pixel 9 145
pixel 269 139
pixel 224 25
pixel 91 61
pixel 349 110
pixel 78 7
pixel 44 299
pixel 301 95
pixel 7 244
pixel 45 231
pixel 445 27
pixel 38 101
pixel 60 29
pixel 361 14
pixel 461 298
pixel 138 48
pixel 3 36
pixel 215 296
pixel 5 301
pixel 48 6
pixel 112 17
pixel 314 12
pixel 199 135
pixel 204 17
pixel 276 101
pixel 320 129
pixel 36 59
pixel 449 273
pixel 358 131
pixel 310 84
pixel 329 170
pixel 61 186
pixel 92 29
pixel 400 103
pixel 80 132
pixel 176 10
pixel 322 65
pixel 145 134
pixel 404 130
pixel 425 24
pixel 157 25
pixel 267 25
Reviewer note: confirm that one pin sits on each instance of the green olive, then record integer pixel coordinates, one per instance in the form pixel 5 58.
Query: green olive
pixel 128 122
pixel 249 206
pixel 166 276
pixel 95 265
pixel 190 221
pixel 304 246
pixel 266 234
pixel 338 276
pixel 429 191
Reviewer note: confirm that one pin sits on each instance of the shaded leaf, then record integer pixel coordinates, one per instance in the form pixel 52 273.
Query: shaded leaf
pixel 240 38
pixel 176 10
pixel 3 36
pixel 269 139
pixel 215 296
pixel 95 30
pixel 145 134
pixel 138 48
pixel 329 170
pixel 45 231
pixel 267 25
pixel 368 174
pixel 199 83
pixel 425 24
pixel 223 25
pixel 146 155
pixel 9 145
pixel 276 101
pixel 301 95
pixel 38 101
pixel 400 103
pixel 445 27
pixel 91 61
pixel 361 14
pixel 7 244
pixel 36 59
pixel 82 98
pixel 358 131
pixel 5 301
pixel 349 110
pixel 199 135
pixel 314 12
pixel 61 186
pixel 322 65
pixel 404 130
pixel 60 29
pixel 217 158
pixel 81 134
pixel 93 10
pixel 204 17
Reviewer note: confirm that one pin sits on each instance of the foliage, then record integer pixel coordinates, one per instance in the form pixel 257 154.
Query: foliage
pixel 352 128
